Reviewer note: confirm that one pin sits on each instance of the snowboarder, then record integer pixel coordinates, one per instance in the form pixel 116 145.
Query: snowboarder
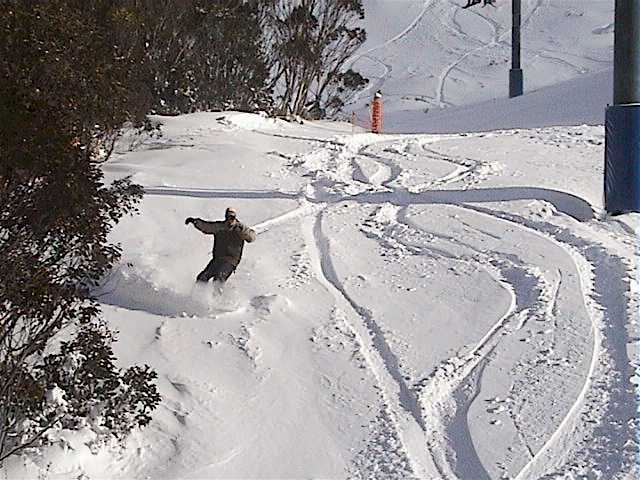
pixel 229 237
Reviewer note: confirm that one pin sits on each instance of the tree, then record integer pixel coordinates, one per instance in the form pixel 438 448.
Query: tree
pixel 234 70
pixel 194 57
pixel 311 41
pixel 66 88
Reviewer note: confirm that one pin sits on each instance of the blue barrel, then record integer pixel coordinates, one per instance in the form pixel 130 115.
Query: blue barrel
pixel 622 159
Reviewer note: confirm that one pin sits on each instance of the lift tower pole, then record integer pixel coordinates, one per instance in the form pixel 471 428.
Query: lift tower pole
pixel 622 150
pixel 515 74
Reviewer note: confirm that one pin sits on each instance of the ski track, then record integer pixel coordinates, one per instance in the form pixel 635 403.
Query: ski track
pixel 448 378
pixel 595 354
pixel 563 429
pixel 573 246
pixel 499 38
pixel 442 78
pixel 378 84
pixel 427 5
pixel 419 412
pixel 376 350
pixel 588 257
pixel 561 61
pixel 366 54
pixel 457 30
pixel 305 208
pixel 407 398
pixel 467 463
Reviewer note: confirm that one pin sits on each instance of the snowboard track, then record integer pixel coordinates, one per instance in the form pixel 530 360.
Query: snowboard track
pixel 413 401
pixel 498 38
pixel 380 359
pixel 516 277
pixel 608 362
pixel 407 398
pixel 595 356
pixel 366 54
pixel 591 256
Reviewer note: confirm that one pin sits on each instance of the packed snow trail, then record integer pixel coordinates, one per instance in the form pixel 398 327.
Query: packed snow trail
pixel 379 356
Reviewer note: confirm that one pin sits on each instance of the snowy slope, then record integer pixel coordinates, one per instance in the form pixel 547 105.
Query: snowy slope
pixel 574 102
pixel 415 306
pixel 432 306
pixel 429 54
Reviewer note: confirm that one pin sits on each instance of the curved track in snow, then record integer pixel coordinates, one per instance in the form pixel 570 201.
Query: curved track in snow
pixel 498 38
pixel 549 333
pixel 382 180
pixel 366 53
pixel 449 56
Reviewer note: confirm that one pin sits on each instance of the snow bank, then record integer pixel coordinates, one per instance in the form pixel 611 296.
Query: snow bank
pixel 577 102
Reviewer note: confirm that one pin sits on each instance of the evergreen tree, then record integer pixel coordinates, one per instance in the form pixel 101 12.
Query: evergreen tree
pixel 66 88
pixel 203 55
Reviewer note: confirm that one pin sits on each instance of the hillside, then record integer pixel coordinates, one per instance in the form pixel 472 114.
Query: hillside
pixel 582 101
pixel 415 306
pixel 433 54
pixel 446 300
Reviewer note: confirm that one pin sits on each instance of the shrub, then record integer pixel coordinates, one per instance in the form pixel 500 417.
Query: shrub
pixel 66 88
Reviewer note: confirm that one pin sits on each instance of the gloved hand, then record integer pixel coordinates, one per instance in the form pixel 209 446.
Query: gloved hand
pixel 189 220
pixel 236 227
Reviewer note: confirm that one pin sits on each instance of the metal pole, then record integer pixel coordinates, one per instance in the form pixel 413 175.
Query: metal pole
pixel 515 74
pixel 626 57
pixel 622 150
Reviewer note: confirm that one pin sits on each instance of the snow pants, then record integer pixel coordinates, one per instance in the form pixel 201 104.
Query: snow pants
pixel 219 270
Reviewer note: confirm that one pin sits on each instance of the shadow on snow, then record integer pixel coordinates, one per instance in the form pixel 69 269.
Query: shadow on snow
pixel 566 203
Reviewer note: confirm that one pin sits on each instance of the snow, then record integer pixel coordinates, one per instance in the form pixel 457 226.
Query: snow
pixel 444 305
pixel 54 397
pixel 574 102
pixel 437 306
pixel 428 54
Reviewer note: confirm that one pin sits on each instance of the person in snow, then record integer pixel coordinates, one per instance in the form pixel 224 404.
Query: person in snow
pixel 229 237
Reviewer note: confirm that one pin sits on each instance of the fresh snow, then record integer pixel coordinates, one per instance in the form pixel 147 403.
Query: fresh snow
pixel 432 306
pixel 429 54
pixel 438 306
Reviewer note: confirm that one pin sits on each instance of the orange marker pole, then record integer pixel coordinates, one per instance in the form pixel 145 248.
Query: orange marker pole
pixel 376 113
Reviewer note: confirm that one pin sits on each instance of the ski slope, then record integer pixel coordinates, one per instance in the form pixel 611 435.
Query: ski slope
pixel 426 55
pixel 415 306
pixel 582 101
pixel 435 305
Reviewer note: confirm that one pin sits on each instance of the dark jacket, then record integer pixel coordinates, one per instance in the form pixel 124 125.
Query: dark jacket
pixel 228 240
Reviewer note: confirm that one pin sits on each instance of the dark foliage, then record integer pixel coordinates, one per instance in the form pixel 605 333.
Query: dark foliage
pixel 202 55
pixel 95 389
pixel 66 88
pixel 311 42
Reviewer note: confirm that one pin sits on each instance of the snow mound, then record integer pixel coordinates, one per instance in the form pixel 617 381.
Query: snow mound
pixel 581 101
pixel 268 304
pixel 133 290
pixel 251 121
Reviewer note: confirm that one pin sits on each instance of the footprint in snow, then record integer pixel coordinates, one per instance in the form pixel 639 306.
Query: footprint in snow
pixel 267 304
